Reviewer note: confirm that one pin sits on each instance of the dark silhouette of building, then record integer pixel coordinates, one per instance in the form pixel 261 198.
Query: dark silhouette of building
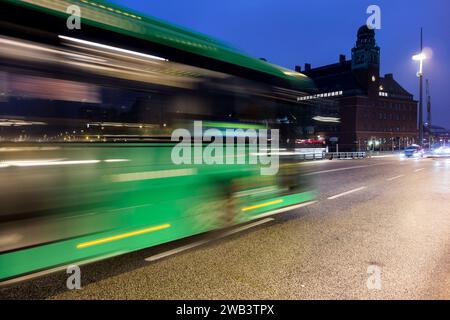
pixel 375 112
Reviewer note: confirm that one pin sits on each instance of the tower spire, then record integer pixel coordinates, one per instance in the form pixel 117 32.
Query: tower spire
pixel 366 61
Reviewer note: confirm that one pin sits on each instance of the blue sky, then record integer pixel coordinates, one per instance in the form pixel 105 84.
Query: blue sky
pixel 290 32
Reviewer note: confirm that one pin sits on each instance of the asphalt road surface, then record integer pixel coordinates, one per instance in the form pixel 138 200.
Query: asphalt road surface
pixel 379 230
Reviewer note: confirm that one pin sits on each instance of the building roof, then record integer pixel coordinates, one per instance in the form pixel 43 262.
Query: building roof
pixel 335 77
pixel 393 87
pixel 339 76
pixel 365 32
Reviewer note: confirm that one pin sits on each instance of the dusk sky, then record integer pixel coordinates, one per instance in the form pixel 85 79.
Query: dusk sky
pixel 292 32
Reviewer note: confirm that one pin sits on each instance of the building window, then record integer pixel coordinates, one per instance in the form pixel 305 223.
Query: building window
pixel 321 95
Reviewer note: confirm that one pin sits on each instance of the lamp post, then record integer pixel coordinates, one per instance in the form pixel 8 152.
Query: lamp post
pixel 420 57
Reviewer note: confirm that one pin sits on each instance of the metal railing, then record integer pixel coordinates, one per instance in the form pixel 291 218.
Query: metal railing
pixel 346 155
pixel 310 156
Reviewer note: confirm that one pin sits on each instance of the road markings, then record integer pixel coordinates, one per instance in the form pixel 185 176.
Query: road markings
pixel 313 162
pixel 417 170
pixel 396 177
pixel 202 242
pixel 346 193
pixel 343 169
pixel 385 156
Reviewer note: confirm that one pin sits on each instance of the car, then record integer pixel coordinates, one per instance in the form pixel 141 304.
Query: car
pixel 440 150
pixel 414 151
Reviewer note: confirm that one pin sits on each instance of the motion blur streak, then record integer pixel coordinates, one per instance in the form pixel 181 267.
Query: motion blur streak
pixel 261 205
pixel 122 236
pixel 77 114
pixel 47 163
pixel 153 175
pixel 99 45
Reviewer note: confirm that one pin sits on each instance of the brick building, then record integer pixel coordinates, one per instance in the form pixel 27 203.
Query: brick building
pixel 374 112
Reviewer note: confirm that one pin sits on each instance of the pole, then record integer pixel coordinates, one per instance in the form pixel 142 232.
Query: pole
pixel 421 95
pixel 428 113
pixel 421 110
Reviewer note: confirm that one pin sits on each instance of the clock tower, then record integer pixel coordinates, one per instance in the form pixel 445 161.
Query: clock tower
pixel 366 61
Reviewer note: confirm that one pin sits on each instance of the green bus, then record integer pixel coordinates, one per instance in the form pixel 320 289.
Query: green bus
pixel 86 116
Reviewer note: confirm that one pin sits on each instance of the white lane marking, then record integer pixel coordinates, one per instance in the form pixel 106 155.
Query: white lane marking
pixel 202 242
pixel 343 169
pixel 314 162
pixel 385 156
pixel 396 177
pixel 271 213
pixel 148 175
pixel 417 170
pixel 346 193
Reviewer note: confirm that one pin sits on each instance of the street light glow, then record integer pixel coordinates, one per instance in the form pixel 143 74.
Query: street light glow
pixel 419 57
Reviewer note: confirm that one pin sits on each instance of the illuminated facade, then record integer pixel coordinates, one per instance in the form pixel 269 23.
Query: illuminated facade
pixel 375 112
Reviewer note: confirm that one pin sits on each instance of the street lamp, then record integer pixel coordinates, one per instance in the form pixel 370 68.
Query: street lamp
pixel 372 143
pixel 377 144
pixel 420 57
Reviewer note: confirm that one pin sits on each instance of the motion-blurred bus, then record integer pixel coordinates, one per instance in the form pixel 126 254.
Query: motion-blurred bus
pixel 86 117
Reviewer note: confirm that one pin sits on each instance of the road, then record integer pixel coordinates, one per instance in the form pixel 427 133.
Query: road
pixel 385 216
